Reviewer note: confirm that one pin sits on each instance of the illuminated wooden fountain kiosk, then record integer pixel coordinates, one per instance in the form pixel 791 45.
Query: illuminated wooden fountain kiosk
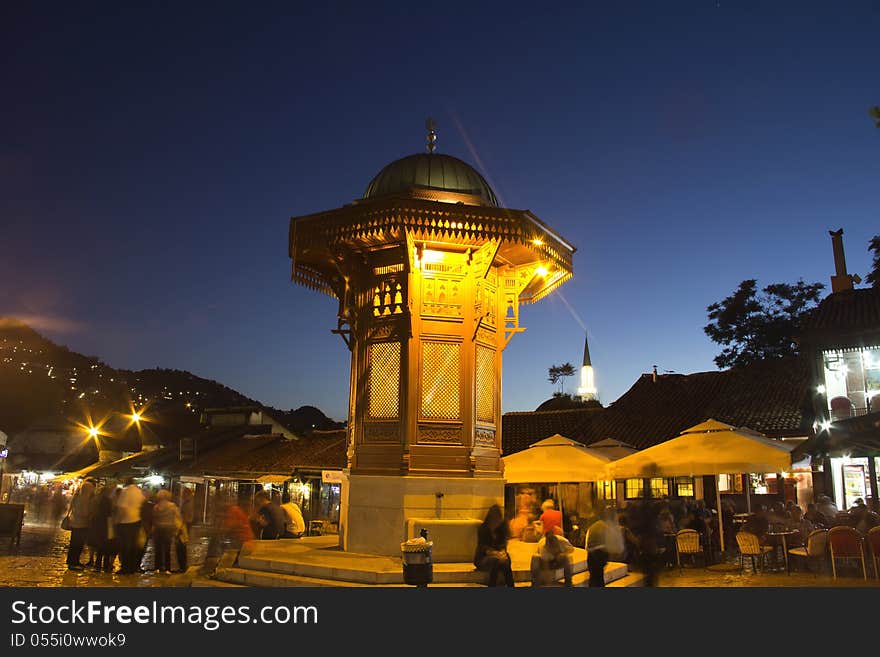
pixel 430 274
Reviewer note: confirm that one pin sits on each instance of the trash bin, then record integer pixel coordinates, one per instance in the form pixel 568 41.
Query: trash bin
pixel 418 569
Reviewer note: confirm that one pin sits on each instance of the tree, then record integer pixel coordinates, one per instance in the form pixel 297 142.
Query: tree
pixel 874 277
pixel 558 374
pixel 752 326
pixel 875 114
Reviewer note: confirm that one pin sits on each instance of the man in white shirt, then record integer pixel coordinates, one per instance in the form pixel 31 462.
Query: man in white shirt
pixel 296 525
pixel 128 522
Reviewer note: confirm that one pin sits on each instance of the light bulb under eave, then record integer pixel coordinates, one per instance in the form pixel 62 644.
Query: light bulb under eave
pixel 541 271
pixel 93 432
pixel 135 417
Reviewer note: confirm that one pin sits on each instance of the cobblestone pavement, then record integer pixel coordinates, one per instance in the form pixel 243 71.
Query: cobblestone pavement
pixel 40 560
pixel 729 575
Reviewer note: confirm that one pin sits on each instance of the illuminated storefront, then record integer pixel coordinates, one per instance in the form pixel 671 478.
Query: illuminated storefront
pixel 850 381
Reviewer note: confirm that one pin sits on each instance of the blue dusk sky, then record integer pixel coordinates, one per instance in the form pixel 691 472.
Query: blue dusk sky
pixel 151 157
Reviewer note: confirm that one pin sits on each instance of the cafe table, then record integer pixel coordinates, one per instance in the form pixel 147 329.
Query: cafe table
pixel 783 535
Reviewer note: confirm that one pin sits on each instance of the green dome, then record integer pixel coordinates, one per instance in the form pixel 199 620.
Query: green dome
pixel 430 171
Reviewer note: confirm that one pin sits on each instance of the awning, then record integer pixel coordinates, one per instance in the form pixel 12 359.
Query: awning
pixel 710 448
pixel 856 436
pixel 273 479
pixel 76 474
pixel 554 460
pixel 186 479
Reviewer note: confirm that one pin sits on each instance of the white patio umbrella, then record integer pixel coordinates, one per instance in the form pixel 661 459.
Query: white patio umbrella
pixel 709 448
pixel 555 459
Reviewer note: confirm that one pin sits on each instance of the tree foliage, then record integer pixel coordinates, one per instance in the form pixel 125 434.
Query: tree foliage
pixel 752 325
pixel 873 278
pixel 558 374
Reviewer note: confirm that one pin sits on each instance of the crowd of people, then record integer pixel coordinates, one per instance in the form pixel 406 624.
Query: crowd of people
pixel 111 526
pixel 113 523
pixel 641 534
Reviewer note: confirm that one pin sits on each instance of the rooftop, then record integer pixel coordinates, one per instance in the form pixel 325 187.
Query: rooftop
pixel 772 397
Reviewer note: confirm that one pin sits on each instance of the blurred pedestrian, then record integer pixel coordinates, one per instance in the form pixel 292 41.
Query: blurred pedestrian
pixel 187 507
pixel 598 548
pixel 644 524
pixel 491 554
pixel 236 525
pixel 296 524
pixel 551 518
pixel 129 503
pixel 166 523
pixel 80 505
pixel 104 528
pixel 270 518
pixel 551 556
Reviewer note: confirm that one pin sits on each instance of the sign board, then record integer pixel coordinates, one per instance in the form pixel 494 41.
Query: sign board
pixel 331 476
pixel 4 453
pixel 853 484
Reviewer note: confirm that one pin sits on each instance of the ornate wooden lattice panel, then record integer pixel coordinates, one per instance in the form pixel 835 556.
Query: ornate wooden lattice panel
pixel 441 296
pixel 388 298
pixel 485 384
pixel 441 386
pixel 384 380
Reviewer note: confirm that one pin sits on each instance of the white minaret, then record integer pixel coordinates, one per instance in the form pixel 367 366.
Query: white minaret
pixel 587 390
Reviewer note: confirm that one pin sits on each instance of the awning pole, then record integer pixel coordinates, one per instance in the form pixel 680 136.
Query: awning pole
pixel 747 486
pixel 720 518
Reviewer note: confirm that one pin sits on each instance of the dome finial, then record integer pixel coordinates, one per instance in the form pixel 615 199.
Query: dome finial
pixel 432 136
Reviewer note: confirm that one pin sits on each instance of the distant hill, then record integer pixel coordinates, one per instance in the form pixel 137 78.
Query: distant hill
pixel 306 419
pixel 41 381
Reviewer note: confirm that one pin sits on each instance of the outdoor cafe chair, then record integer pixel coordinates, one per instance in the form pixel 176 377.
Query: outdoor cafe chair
pixel 874 547
pixel 816 548
pixel 687 541
pixel 846 543
pixel 750 546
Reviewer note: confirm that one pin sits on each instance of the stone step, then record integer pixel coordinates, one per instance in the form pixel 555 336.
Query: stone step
pixel 319 562
pixel 243 577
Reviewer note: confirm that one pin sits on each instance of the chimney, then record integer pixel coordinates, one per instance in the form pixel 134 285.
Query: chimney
pixel 841 281
pixel 655 374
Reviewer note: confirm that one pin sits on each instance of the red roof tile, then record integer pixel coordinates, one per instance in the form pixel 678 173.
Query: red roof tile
pixel 848 318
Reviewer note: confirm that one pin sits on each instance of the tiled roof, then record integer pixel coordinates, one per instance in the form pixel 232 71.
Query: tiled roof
pixel 272 455
pixel 165 460
pixel 842 317
pixel 84 455
pixel 521 429
pixel 772 397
